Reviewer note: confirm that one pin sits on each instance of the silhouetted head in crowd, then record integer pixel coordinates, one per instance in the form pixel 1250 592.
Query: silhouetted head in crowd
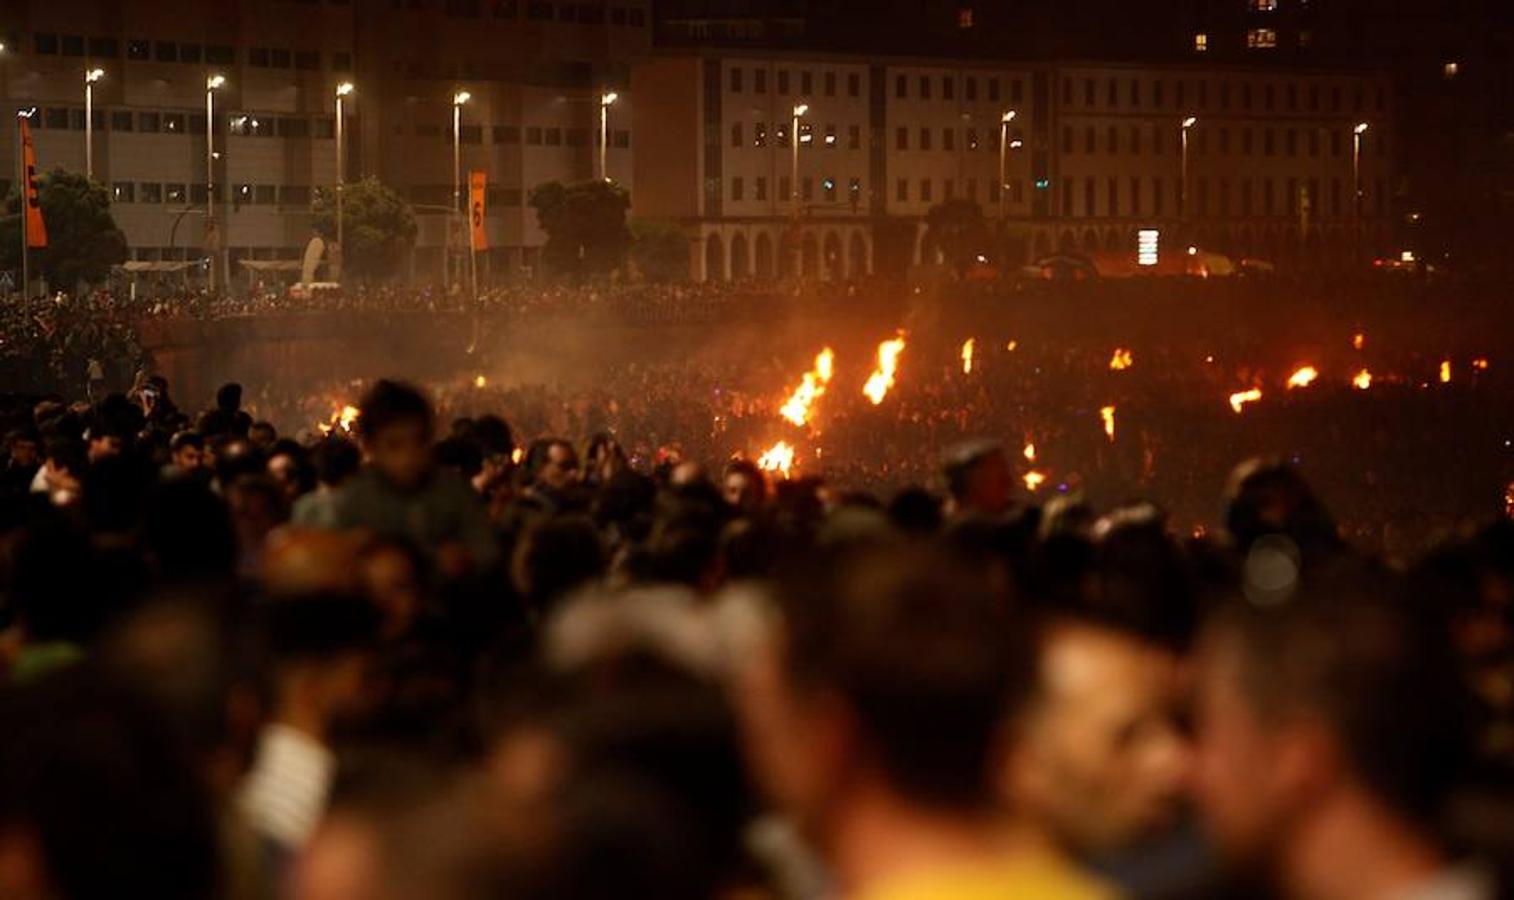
pixel 551 465
pixel 1271 498
pixel 262 435
pixel 1331 730
pixel 335 460
pixel 744 487
pixel 555 556
pixel 887 683
pixel 915 512
pixel 187 452
pixel 187 534
pixel 978 477
pixel 23 448
pixel 98 799
pixel 322 654
pixel 229 397
pixel 396 426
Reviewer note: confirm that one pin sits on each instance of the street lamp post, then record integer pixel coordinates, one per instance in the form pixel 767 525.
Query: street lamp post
pixel 799 111
pixel 343 90
pixel 1004 120
pixel 605 101
pixel 1356 168
pixel 458 99
pixel 90 77
pixel 24 182
pixel 1183 178
pixel 212 84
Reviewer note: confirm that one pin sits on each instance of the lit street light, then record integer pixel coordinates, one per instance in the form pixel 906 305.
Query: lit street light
pixel 90 77
pixel 212 84
pixel 458 99
pixel 24 184
pixel 343 90
pixel 1004 120
pixel 605 101
pixel 1356 167
pixel 799 111
pixel 1183 180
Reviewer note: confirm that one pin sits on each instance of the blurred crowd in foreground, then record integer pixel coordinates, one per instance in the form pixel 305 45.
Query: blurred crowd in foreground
pixel 427 662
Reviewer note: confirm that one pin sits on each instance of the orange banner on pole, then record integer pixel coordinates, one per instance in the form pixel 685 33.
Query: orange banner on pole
pixel 476 184
pixel 36 229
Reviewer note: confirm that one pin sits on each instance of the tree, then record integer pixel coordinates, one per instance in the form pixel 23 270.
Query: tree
pixel 585 225
pixel 83 241
pixel 659 249
pixel 378 228
pixel 957 231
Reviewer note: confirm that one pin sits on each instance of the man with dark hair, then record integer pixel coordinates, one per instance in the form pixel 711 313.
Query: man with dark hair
pixel 872 717
pixel 743 487
pixel 402 494
pixel 186 453
pixel 229 405
pixel 1330 732
pixel 978 478
pixel 321 646
pixel 335 460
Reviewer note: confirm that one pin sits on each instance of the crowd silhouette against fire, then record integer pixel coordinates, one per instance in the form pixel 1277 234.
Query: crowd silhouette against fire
pixel 486 639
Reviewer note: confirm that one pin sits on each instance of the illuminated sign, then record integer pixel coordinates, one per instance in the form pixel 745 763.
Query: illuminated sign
pixel 1148 241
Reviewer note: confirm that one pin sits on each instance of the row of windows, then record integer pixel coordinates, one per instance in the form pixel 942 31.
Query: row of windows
pixel 992 88
pixel 1265 196
pixel 830 137
pixel 582 13
pixel 142 49
pixel 830 84
pixel 1244 95
pixel 531 135
pixel 1140 136
pixel 830 189
pixel 1014 190
pixel 495 196
pixel 179 193
pixel 62 118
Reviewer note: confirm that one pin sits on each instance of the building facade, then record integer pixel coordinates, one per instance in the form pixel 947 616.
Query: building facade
pixel 535 73
pixel 1290 168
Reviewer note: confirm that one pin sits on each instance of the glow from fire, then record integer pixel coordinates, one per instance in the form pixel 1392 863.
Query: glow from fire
pixel 517 455
pixel 480 382
pixel 1303 377
pixel 1445 371
pixel 967 355
pixel 1034 480
pixel 779 459
pixel 1358 341
pixel 1239 399
pixel 1030 451
pixel 342 420
pixel 1107 414
pixel 1362 380
pixel 1122 360
pixel 1012 346
pixel 1480 364
pixel 799 407
pixel 1508 500
pixel 882 379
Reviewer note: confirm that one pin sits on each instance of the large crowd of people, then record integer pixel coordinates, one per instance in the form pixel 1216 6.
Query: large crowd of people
pixel 438 650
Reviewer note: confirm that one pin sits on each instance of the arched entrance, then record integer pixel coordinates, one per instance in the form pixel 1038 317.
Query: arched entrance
pixel 857 257
pixel 739 268
pixel 714 258
pixel 810 266
pixel 764 256
pixel 834 262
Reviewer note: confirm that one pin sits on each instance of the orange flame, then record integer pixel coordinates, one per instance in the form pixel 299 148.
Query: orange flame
pixel 967 355
pixel 1508 500
pixel 1362 381
pixel 1107 414
pixel 1122 360
pixel 341 420
pixel 799 405
pixel 1239 399
pixel 1030 451
pixel 1303 377
pixel 779 458
pixel 882 379
pixel 1358 340
pixel 1480 364
pixel 480 382
pixel 1012 346
pixel 1034 480
pixel 1445 371
pixel 517 455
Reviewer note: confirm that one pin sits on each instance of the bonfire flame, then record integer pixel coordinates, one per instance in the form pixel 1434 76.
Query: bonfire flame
pixel 1358 340
pixel 480 382
pixel 1480 364
pixel 1362 381
pixel 1012 346
pixel 882 379
pixel 1445 371
pixel 1030 451
pixel 799 406
pixel 779 458
pixel 1107 414
pixel 967 356
pixel 1034 480
pixel 1122 360
pixel 1303 377
pixel 341 420
pixel 1239 399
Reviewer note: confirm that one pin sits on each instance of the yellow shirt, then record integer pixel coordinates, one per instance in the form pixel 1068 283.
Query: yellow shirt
pixel 1040 877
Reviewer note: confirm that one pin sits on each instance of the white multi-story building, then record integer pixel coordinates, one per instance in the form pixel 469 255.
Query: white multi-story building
pixel 1091 154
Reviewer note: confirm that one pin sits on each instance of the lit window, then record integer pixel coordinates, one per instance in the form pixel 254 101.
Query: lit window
pixel 1261 38
pixel 1262 5
pixel 1200 42
pixel 965 17
pixel 1452 69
